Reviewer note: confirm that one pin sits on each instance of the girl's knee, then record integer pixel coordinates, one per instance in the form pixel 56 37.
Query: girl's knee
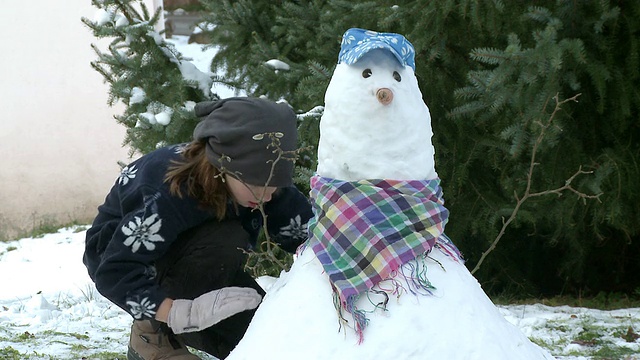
pixel 203 259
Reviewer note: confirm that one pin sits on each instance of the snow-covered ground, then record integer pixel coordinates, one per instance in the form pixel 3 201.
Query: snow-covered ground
pixel 49 309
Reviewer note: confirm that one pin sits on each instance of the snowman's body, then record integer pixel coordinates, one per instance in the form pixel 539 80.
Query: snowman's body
pixel 457 322
pixel 369 135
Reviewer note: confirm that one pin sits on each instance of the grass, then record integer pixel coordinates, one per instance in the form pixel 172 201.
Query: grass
pixel 51 228
pixel 44 227
pixel 585 336
pixel 580 335
pixel 601 301
pixel 106 355
pixel 607 352
pixel 73 335
pixel 80 347
pixel 9 353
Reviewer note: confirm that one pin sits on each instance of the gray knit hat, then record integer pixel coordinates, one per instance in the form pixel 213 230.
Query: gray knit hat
pixel 233 129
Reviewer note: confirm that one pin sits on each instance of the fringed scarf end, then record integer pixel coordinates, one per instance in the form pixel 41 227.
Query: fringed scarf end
pixel 360 320
pixel 414 274
pixel 449 249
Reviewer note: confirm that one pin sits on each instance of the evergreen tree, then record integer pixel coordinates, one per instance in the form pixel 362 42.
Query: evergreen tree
pixel 489 71
pixel 148 75
pixel 569 52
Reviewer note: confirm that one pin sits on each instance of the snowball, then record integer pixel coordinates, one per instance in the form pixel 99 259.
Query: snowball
pixel 163 118
pixel 123 53
pixel 151 118
pixel 137 96
pixel 277 64
pixel 189 105
pixel 316 111
pixel 101 17
pixel 191 72
pixel 161 144
pixel 156 37
pixel 121 21
pixel 128 39
pixel 283 101
pixel 146 59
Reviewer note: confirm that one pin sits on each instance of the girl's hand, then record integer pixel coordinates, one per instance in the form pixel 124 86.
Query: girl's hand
pixel 210 308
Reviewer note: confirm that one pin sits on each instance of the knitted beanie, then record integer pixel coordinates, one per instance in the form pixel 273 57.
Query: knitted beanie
pixel 236 131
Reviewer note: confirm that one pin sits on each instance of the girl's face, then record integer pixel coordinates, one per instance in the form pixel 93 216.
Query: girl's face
pixel 249 195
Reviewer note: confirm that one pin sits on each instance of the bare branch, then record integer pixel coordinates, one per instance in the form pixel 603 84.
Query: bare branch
pixel 532 164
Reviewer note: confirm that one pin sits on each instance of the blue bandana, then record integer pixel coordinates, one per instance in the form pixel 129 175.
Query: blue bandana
pixel 357 42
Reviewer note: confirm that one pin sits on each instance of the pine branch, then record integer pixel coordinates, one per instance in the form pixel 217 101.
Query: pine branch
pixel 520 200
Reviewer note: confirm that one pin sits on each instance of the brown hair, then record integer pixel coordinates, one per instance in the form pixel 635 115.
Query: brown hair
pixel 202 180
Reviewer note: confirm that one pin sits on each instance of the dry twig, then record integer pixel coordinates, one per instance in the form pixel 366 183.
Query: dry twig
pixel 268 254
pixel 527 192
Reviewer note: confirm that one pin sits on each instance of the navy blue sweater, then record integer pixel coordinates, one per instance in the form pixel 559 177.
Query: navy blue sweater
pixel 140 219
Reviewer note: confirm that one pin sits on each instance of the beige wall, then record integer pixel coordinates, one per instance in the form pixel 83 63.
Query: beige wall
pixel 59 143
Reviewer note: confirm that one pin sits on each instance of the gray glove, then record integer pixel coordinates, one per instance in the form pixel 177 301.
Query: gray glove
pixel 210 308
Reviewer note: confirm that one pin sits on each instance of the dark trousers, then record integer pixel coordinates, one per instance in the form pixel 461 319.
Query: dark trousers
pixel 206 258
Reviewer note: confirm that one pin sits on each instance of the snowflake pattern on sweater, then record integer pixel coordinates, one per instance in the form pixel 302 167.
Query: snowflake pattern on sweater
pixel 296 228
pixel 127 174
pixel 140 219
pixel 143 308
pixel 143 232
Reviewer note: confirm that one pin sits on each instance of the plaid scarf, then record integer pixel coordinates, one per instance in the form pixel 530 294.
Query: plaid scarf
pixel 364 231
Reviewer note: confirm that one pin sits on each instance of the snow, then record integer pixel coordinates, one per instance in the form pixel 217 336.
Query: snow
pixel 137 96
pixel 121 21
pixel 164 118
pixel 48 298
pixel 102 17
pixel 201 27
pixel 197 68
pixel 278 65
pixel 50 309
pixel 49 305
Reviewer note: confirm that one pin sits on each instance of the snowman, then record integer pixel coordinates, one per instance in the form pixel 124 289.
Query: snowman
pixel 378 278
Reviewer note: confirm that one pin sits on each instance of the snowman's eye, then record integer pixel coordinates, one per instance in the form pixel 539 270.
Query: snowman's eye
pixel 397 76
pixel 366 73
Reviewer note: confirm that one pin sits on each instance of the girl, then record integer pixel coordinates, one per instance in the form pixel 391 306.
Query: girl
pixel 169 243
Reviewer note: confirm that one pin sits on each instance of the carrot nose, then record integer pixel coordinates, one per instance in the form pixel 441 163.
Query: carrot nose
pixel 385 96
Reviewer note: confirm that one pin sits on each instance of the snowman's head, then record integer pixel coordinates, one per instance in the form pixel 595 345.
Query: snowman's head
pixel 375 74
pixel 376 82
pixel 373 102
pixel 375 78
